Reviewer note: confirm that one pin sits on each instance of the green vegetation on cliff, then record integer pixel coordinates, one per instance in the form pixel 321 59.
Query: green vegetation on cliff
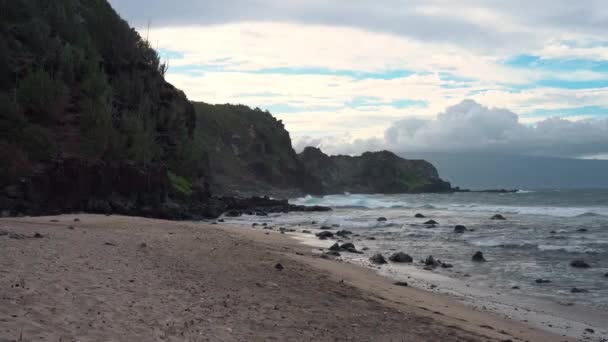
pixel 77 81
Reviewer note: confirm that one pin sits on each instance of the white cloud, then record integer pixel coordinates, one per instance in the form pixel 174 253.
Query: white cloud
pixel 471 127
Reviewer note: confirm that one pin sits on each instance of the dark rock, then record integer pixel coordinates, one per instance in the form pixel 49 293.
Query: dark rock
pixel 606 275
pixel 419 216
pixel 109 244
pixel 77 220
pixel 233 213
pixel 542 281
pixel 478 257
pixel 378 259
pixel 335 225
pixel 578 263
pixel 433 222
pixel 498 217
pixel 371 238
pixel 325 228
pixel 431 262
pixel 590 331
pixel 306 231
pixel 582 230
pixel 143 245
pixel 400 257
pixel 553 232
pixel 459 229
pixel 515 287
pixel 335 247
pixel 325 235
pixel 279 267
pixel 402 283
pixel 38 236
pixel 445 265
pixel 221 220
pixel 382 219
pixel 254 224
pixel 17 236
pixel 577 290
pixel 344 233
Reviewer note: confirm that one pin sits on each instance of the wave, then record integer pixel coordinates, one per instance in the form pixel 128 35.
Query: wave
pixel 501 243
pixel 590 214
pixel 521 191
pixel 567 249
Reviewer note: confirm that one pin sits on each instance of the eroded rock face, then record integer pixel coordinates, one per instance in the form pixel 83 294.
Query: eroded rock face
pixel 372 172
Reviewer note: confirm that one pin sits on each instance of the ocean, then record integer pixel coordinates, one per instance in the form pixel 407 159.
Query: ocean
pixel 544 231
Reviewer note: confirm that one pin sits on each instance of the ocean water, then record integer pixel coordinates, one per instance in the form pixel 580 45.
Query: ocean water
pixel 543 232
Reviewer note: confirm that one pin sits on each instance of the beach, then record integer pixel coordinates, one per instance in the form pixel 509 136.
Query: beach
pixel 113 278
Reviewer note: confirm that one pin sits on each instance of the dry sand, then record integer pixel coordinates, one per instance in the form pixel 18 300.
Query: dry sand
pixel 112 278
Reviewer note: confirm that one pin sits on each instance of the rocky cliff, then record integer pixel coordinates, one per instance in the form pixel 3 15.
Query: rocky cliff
pixel 250 153
pixel 372 172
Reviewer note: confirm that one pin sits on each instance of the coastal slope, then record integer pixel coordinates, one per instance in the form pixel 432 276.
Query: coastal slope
pixel 372 172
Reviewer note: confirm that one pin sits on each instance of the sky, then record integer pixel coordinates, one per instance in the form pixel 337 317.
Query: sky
pixel 517 77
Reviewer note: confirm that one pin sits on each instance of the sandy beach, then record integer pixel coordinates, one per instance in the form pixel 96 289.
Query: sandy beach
pixel 113 278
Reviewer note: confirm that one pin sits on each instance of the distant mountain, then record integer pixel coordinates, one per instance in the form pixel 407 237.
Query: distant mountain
pixel 485 171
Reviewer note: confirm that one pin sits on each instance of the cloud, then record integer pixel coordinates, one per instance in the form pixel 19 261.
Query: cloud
pixel 471 127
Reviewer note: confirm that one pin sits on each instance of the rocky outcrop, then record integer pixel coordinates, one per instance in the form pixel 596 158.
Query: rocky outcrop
pixel 125 188
pixel 372 172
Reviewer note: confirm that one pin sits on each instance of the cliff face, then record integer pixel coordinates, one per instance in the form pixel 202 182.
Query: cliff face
pixel 372 172
pixel 250 152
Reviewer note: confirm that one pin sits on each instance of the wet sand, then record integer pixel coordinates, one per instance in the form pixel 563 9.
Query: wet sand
pixel 112 278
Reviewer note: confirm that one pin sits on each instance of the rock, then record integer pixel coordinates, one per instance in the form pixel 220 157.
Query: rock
pixel 325 235
pixel 335 225
pixel 233 213
pixel 582 230
pixel 431 262
pixel 445 265
pixel 498 217
pixel 77 220
pixel 400 257
pixel 306 231
pixel 349 247
pixel 459 229
pixel 325 228
pixel 371 238
pixel 542 281
pixel 109 244
pixel 335 247
pixel 378 259
pixel 254 224
pixel 279 267
pixel 515 287
pixel 221 220
pixel 419 215
pixel 382 219
pixel 143 245
pixel 589 330
pixel 333 253
pixel 38 236
pixel 578 263
pixel 17 236
pixel 402 283
pixel 606 275
pixel 344 233
pixel 431 222
pixel 577 290
pixel 553 232
pixel 478 257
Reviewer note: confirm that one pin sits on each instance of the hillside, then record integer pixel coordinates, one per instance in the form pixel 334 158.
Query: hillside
pixel 372 172
pixel 89 123
pixel 250 152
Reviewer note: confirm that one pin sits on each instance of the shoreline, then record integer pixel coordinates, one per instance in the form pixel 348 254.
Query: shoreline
pixel 114 277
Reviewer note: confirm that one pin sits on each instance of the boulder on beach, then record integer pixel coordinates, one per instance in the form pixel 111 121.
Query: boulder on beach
pixel 577 290
pixel 325 235
pixel 431 222
pixel 478 257
pixel 378 259
pixel 459 229
pixel 542 281
pixel 400 257
pixel 419 215
pixel 335 247
pixel 446 265
pixel 498 217
pixel 381 219
pixel 349 247
pixel 579 263
pixel 344 233
pixel 402 283
pixel 431 262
